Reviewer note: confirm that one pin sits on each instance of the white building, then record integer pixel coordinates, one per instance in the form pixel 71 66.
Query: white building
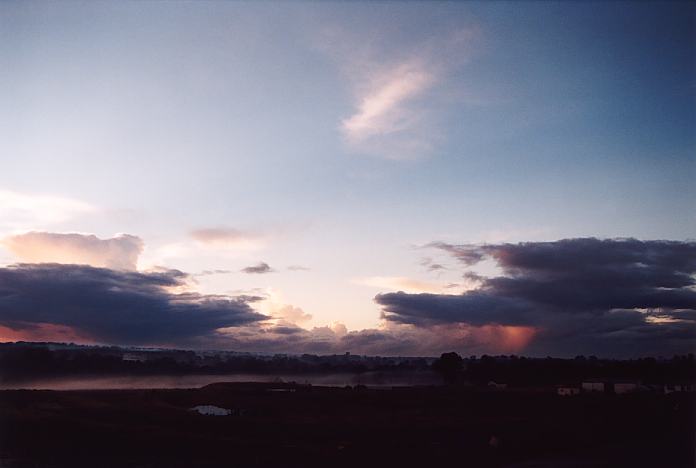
pixel 564 390
pixel 210 410
pixel 681 387
pixel 625 387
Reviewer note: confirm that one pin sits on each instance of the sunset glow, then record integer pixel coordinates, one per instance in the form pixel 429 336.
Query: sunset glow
pixel 391 178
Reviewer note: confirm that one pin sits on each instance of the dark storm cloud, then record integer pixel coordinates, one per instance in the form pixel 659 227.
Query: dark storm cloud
pixel 474 308
pixel 115 306
pixel 582 293
pixel 259 268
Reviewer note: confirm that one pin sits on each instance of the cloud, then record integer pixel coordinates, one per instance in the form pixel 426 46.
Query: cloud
pixel 120 252
pixel 213 272
pixel 292 314
pixel 223 237
pixel 383 109
pixel 467 254
pixel 22 210
pixel 395 91
pixel 578 295
pixel 474 308
pixel 210 244
pixel 298 268
pixel 276 306
pixel 109 306
pixel 44 332
pixel 619 297
pixel 431 266
pixel 96 305
pixel 388 340
pixel 259 268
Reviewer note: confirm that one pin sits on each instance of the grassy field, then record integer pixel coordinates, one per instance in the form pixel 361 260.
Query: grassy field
pixel 322 426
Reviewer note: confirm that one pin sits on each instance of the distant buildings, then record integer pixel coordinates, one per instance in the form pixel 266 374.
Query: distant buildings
pixel 496 385
pixel 618 387
pixel 626 387
pixel 679 387
pixel 210 410
pixel 567 390
pixel 593 386
pixel 134 357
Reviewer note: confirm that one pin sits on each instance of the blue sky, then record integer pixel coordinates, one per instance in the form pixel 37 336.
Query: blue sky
pixel 343 137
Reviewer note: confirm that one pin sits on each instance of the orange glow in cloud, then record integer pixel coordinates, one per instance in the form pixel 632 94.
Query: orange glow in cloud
pixel 493 338
pixel 120 252
pixel 508 338
pixel 44 332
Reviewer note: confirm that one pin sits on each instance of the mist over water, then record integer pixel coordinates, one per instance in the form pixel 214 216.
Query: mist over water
pixel 370 379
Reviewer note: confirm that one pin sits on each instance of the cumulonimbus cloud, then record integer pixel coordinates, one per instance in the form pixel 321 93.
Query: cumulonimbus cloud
pixel 615 296
pixel 120 252
pixel 120 307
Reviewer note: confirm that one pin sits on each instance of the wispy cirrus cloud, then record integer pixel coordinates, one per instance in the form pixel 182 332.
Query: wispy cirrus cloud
pixel 397 93
pixel 385 109
pixel 226 237
pixel 432 266
pixel 213 272
pixel 212 243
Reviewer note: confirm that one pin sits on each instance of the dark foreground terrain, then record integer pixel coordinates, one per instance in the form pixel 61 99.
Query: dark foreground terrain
pixel 285 426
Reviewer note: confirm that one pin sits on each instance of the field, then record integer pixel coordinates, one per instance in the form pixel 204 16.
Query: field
pixel 303 426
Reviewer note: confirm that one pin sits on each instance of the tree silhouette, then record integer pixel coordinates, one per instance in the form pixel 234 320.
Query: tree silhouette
pixel 450 366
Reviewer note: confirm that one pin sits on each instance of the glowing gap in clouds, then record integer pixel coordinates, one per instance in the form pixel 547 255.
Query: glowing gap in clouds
pixel 410 285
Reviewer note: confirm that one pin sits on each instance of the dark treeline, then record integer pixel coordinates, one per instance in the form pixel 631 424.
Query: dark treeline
pixel 518 371
pixel 20 361
pixel 23 361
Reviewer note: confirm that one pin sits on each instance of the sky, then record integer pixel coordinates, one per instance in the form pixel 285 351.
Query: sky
pixel 380 178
